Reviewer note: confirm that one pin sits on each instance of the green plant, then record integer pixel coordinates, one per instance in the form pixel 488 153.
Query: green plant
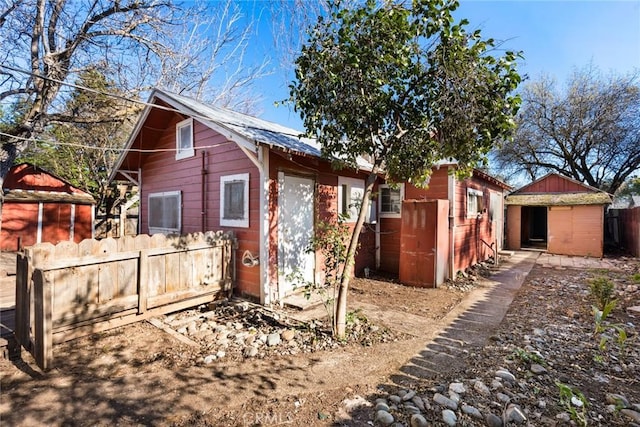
pixel 600 315
pixel 602 326
pixel 528 357
pixel 574 402
pixel 602 290
pixel 636 278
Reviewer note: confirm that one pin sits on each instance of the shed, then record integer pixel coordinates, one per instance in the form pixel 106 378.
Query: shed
pixel 40 207
pixel 558 214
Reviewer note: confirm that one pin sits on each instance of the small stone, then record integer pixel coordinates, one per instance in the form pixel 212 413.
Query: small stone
pixel 515 414
pixel 409 395
pixel 493 420
pixel 273 339
pixel 617 399
pixel 542 404
pixel 505 375
pixel 471 411
pixel 496 384
pixel 382 406
pixel 417 400
pixel 401 393
pixel 288 334
pixel 445 401
pixel 503 398
pixel 410 409
pixel 576 402
pixel 220 354
pixel 250 352
pixel 418 420
pixel 457 388
pixel 564 417
pixel 481 388
pixel 395 399
pixel 384 418
pixel 538 369
pixel 454 396
pixel 449 417
pixel 631 414
pixel 209 359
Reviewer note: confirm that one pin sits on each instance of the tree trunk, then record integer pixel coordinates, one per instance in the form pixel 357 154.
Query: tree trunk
pixel 340 317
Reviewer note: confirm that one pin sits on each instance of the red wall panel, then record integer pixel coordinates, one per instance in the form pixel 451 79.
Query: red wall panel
pixel 19 220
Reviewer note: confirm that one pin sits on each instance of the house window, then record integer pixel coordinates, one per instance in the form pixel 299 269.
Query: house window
pixel 475 203
pixel 184 139
pixel 391 201
pixel 234 200
pixel 165 212
pixel 350 191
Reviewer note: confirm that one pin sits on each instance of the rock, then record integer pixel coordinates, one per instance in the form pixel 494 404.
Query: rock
pixel 564 417
pixel 449 417
pixel 503 398
pixel 209 359
pixel 457 388
pixel 417 400
pixel 382 406
pixel 634 309
pixel 250 351
pixel 576 402
pixel 537 369
pixel 395 399
pixel 617 399
pixel 445 401
pixel 496 384
pixel 220 354
pixel 273 339
pixel 409 395
pixel 454 396
pixel 505 375
pixel 515 415
pixel 401 393
pixel 288 334
pixel 410 409
pixel 493 420
pixel 481 388
pixel 384 418
pixel 418 420
pixel 631 414
pixel 471 411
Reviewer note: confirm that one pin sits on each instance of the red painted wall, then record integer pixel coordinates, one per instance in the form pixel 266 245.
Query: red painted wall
pixel 630 226
pixel 19 220
pixel 554 184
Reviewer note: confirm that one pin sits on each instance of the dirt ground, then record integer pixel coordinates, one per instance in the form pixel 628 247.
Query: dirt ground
pixel 140 375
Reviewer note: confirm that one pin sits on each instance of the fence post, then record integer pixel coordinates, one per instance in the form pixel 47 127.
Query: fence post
pixel 43 305
pixel 23 301
pixel 143 279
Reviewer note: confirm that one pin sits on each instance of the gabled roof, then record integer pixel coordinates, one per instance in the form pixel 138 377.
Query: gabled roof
pixel 245 130
pixel 28 183
pixel 546 192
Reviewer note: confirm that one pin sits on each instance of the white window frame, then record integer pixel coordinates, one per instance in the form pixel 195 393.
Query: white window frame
pixel 350 185
pixel 165 230
pixel 242 222
pixel 474 210
pixel 183 153
pixel 387 214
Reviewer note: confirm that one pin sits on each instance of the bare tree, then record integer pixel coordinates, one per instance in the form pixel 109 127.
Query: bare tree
pixel 591 132
pixel 135 43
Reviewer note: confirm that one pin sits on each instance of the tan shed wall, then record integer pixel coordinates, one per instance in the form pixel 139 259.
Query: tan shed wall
pixel 576 230
pixel 514 226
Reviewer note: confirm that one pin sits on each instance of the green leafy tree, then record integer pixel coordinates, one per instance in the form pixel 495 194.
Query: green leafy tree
pixel 403 85
pixel 86 137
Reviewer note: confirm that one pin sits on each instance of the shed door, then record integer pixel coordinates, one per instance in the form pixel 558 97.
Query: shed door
pixel 295 230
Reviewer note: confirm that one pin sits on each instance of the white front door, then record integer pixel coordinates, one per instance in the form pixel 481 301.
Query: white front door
pixel 295 229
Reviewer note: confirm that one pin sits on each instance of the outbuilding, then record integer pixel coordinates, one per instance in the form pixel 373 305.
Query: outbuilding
pixel 557 214
pixel 40 207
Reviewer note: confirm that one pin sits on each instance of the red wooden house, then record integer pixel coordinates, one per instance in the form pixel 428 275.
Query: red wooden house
pixel 557 214
pixel 441 230
pixel 40 207
pixel 202 168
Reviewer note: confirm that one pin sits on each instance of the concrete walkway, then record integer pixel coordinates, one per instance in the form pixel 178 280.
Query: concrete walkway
pixel 564 261
pixel 472 325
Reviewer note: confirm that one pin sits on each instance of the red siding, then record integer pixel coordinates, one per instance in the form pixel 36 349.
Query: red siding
pixel 630 226
pixel 554 184
pixel 438 187
pixel 56 222
pixel 19 221
pixel 162 172
pixel 83 223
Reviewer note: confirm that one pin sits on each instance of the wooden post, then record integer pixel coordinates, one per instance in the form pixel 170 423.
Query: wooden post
pixel 143 280
pixel 23 301
pixel 43 292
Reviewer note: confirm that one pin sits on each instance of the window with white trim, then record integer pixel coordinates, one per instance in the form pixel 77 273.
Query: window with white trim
pixel 234 200
pixel 475 202
pixel 165 212
pixel 184 139
pixel 391 200
pixel 350 191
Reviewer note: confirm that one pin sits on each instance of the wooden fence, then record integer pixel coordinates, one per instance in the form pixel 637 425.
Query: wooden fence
pixel 630 230
pixel 71 290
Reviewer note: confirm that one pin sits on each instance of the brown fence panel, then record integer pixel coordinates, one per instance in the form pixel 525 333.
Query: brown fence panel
pixel 630 230
pixel 72 290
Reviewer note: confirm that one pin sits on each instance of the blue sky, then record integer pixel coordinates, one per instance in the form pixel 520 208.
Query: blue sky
pixel 555 37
